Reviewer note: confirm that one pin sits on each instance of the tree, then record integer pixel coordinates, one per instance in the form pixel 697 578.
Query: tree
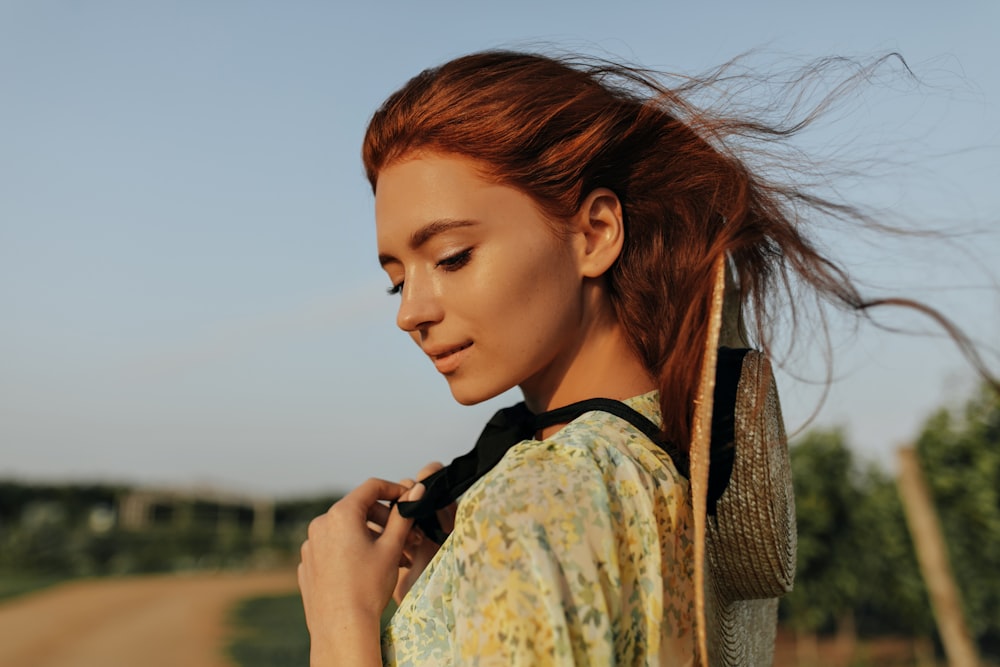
pixel 856 565
pixel 826 497
pixel 960 453
pixel 894 601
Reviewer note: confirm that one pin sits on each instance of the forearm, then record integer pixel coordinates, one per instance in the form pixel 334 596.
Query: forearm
pixel 352 642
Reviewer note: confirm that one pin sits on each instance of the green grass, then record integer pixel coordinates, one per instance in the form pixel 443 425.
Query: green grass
pixel 271 632
pixel 15 584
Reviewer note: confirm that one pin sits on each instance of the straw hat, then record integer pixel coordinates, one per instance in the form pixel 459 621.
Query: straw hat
pixel 745 551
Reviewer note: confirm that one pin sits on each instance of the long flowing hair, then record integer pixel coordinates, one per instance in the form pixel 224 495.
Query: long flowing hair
pixel 558 128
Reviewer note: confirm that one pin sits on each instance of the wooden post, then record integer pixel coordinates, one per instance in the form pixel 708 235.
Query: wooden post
pixel 933 558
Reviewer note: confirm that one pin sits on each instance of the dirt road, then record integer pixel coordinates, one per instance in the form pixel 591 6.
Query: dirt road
pixel 163 621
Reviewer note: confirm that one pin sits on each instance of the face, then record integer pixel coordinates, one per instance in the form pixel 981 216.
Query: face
pixel 487 289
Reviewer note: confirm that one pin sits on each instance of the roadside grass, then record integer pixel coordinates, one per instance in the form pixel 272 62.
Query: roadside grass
pixel 270 631
pixel 13 584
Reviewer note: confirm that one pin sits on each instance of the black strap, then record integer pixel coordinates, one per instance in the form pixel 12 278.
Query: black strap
pixel 504 430
pixel 515 424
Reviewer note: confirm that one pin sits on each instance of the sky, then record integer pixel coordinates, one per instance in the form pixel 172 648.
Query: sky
pixel 189 289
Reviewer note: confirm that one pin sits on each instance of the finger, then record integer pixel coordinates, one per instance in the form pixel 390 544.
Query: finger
pixel 415 493
pixel 446 517
pixel 372 491
pixel 408 483
pixel 418 559
pixel 378 513
pixel 402 585
pixel 429 469
pixel 422 556
pixel 414 538
pixel 398 526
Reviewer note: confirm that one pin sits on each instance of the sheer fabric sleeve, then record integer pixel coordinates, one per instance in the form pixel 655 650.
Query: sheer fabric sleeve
pixel 559 561
pixel 572 551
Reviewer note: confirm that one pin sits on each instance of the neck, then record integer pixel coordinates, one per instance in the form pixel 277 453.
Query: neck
pixel 601 364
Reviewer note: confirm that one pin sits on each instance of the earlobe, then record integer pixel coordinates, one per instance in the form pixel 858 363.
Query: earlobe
pixel 602 227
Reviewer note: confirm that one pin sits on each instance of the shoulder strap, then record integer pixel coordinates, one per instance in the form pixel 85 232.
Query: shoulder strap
pixel 515 424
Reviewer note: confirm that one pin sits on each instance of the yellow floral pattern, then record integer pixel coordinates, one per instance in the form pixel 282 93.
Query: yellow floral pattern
pixel 574 550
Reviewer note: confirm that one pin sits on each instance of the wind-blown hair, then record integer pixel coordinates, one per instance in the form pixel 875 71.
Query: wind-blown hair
pixel 558 129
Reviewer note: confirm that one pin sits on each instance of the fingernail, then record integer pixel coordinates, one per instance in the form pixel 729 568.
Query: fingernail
pixel 417 492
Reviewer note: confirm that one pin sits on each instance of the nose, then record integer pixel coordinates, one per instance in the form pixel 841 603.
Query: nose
pixel 419 306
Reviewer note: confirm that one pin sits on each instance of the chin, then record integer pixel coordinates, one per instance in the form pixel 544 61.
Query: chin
pixel 466 395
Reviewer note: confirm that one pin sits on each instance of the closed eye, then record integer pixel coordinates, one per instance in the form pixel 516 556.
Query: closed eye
pixel 449 263
pixel 456 261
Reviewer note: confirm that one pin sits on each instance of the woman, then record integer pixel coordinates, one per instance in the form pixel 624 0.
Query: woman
pixel 556 227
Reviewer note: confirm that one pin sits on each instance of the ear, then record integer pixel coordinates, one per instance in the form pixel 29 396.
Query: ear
pixel 601 228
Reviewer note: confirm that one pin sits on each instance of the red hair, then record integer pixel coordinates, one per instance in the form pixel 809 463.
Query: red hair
pixel 557 130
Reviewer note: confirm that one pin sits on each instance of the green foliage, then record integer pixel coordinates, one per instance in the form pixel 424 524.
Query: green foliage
pixel 892 598
pixel 76 500
pixel 12 585
pixel 856 556
pixel 292 519
pixel 827 497
pixel 70 531
pixel 270 632
pixel 960 455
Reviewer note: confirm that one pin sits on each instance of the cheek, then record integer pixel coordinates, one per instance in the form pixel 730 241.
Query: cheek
pixel 521 294
pixel 544 297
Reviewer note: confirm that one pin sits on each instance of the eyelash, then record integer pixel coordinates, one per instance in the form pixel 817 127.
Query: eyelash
pixel 456 261
pixel 449 263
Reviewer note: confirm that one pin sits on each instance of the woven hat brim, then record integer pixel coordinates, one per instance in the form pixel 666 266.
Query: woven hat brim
pixel 752 539
pixel 741 633
pixel 745 556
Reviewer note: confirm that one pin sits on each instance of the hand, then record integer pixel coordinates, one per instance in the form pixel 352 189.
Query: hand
pixel 348 570
pixel 418 549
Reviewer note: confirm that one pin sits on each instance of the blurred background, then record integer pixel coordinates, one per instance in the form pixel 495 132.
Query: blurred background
pixel 193 325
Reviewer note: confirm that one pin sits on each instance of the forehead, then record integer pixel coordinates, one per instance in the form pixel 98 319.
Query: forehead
pixel 433 187
pixel 426 186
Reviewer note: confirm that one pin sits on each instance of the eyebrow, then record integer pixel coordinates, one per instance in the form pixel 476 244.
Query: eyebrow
pixel 427 232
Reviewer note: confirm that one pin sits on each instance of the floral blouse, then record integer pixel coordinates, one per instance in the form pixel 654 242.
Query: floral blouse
pixel 574 550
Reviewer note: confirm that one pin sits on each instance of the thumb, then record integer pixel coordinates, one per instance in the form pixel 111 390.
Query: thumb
pixel 398 526
pixel 429 469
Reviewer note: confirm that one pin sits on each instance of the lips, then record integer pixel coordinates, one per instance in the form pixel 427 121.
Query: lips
pixel 447 360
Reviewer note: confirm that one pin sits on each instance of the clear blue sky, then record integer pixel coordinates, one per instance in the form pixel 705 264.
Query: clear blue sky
pixel 188 287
